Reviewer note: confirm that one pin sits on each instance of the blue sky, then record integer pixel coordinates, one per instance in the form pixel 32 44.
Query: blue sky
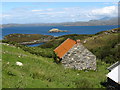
pixel 50 12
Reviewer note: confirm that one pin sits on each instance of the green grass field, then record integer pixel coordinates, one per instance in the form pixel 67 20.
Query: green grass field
pixel 39 72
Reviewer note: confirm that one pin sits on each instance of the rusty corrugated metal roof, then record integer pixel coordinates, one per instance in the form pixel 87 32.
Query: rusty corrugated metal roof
pixel 62 49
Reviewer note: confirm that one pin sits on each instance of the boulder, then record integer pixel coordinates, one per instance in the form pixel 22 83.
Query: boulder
pixel 19 64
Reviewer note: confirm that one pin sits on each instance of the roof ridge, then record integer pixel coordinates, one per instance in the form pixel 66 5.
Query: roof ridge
pixel 62 43
pixel 113 65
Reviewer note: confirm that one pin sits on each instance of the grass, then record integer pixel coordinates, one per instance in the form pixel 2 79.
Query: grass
pixel 41 72
pixel 105 47
pixel 101 40
pixel 19 38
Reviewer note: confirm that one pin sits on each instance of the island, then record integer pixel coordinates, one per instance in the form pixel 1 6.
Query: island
pixel 55 30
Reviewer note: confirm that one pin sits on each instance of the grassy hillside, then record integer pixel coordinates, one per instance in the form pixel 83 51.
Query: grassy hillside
pixel 105 45
pixel 40 72
pixel 20 38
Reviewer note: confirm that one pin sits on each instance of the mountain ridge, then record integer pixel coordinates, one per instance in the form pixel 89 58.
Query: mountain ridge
pixel 102 21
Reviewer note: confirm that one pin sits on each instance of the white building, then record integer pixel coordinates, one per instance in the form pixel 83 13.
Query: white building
pixel 113 77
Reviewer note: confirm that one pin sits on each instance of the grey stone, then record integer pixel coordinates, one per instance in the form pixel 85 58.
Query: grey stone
pixel 79 57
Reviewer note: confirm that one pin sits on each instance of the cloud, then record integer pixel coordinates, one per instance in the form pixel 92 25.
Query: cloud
pixel 49 9
pixel 36 10
pixel 81 14
pixel 5 15
pixel 106 11
pixel 39 10
pixel 52 15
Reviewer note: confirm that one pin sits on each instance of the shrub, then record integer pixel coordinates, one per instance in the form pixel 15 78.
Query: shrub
pixel 47 45
pixel 108 53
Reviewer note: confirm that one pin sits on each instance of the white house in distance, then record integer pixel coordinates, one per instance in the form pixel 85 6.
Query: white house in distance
pixel 113 77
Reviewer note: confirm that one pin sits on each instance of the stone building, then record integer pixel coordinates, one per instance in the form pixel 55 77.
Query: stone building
pixel 74 55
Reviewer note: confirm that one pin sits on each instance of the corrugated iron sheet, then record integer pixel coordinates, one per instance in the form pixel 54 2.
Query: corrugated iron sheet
pixel 62 49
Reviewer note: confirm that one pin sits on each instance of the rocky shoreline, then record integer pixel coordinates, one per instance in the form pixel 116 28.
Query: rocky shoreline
pixel 34 42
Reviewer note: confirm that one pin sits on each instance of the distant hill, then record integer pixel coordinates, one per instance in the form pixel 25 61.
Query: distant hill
pixel 102 21
pixel 105 18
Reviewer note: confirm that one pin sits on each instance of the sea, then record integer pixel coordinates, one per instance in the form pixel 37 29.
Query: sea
pixel 44 30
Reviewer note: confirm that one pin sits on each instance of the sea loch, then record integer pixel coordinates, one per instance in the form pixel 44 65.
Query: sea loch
pixel 44 30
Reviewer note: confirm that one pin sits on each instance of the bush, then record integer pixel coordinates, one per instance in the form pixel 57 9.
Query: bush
pixel 109 53
pixel 47 45
pixel 52 44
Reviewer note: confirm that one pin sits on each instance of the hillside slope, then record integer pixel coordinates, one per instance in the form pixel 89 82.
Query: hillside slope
pixel 28 38
pixel 41 72
pixel 105 45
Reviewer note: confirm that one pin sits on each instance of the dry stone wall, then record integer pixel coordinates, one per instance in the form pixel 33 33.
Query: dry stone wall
pixel 79 57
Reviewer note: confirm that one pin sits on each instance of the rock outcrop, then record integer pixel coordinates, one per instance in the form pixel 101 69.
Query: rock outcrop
pixel 54 30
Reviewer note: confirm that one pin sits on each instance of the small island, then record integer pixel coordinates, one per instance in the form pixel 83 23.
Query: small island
pixel 55 30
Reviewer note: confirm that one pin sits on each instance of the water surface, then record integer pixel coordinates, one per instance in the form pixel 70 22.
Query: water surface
pixel 44 30
pixel 35 45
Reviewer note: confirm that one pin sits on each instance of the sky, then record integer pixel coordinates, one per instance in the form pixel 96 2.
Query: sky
pixel 56 12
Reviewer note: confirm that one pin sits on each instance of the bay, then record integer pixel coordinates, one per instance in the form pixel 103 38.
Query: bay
pixel 35 45
pixel 44 30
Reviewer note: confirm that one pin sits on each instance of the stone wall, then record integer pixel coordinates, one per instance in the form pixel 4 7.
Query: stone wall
pixel 79 57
